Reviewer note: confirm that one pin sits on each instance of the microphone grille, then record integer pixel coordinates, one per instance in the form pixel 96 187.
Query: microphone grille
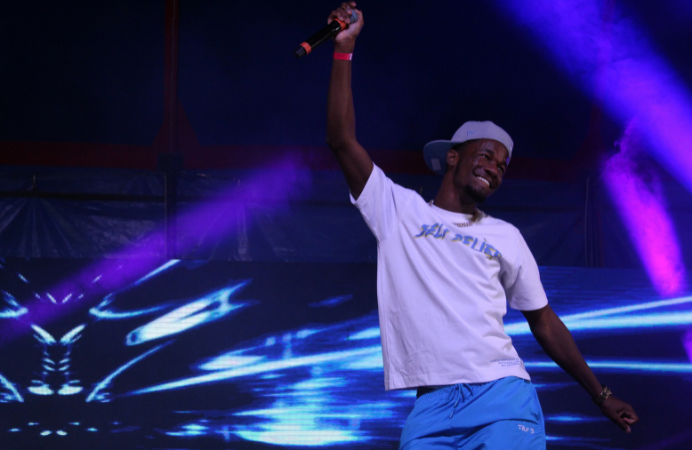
pixel 354 17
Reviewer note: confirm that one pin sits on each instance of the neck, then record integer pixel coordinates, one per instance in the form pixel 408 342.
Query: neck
pixel 450 200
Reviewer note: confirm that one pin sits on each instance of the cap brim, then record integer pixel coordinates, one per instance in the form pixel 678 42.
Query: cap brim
pixel 435 154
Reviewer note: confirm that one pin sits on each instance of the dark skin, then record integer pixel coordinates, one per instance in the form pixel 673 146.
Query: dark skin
pixel 474 171
pixel 463 187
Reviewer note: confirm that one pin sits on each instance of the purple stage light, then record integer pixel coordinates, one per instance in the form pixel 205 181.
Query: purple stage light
pixel 271 188
pixel 687 343
pixel 601 48
pixel 637 194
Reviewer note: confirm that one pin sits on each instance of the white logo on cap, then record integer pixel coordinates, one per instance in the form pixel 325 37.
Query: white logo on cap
pixel 436 164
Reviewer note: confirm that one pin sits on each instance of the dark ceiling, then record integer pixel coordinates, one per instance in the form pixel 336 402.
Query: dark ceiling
pixel 93 73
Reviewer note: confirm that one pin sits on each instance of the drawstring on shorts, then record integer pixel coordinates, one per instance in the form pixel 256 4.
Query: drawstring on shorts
pixel 458 392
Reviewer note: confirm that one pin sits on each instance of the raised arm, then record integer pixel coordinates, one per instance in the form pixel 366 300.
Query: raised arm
pixel 552 334
pixel 341 119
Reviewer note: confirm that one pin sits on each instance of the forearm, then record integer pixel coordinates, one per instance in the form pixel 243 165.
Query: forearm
pixel 341 118
pixel 558 343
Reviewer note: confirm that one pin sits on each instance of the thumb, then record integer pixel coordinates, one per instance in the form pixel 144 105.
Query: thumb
pixel 622 424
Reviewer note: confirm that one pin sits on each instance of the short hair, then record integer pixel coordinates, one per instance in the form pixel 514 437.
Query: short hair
pixel 459 148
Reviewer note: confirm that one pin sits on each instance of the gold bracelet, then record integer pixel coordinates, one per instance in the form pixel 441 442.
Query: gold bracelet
pixel 605 393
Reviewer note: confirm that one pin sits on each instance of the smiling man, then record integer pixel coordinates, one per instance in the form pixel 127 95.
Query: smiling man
pixel 446 273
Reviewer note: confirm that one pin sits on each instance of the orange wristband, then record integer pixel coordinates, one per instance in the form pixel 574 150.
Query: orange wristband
pixel 343 56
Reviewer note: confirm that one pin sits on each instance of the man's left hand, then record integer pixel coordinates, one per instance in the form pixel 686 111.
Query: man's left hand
pixel 619 412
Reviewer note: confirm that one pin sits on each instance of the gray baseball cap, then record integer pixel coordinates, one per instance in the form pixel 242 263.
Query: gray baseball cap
pixel 435 152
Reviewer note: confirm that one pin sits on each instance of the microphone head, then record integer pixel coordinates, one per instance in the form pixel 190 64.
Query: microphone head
pixel 354 17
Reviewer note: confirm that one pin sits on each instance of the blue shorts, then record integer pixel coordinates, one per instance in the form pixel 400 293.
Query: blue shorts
pixel 502 414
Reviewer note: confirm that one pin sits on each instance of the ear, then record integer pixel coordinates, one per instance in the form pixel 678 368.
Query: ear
pixel 452 157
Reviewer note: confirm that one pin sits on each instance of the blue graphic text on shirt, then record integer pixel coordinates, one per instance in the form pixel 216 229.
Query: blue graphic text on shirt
pixel 437 231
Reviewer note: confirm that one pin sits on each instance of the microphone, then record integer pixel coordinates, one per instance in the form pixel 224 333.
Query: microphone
pixel 325 33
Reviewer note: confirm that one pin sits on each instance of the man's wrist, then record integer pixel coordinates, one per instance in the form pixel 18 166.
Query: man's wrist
pixel 602 396
pixel 344 47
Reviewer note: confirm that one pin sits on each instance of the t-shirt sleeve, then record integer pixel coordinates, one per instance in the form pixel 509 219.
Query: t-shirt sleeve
pixel 380 203
pixel 522 282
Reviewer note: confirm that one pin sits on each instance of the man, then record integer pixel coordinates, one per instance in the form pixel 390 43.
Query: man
pixel 446 272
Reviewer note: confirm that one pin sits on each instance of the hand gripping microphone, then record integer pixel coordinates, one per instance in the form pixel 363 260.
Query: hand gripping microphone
pixel 325 33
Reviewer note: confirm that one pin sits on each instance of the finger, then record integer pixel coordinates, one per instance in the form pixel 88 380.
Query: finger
pixel 629 415
pixel 621 423
pixel 344 14
pixel 338 13
pixel 630 418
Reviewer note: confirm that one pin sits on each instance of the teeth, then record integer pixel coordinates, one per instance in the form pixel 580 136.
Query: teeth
pixel 486 181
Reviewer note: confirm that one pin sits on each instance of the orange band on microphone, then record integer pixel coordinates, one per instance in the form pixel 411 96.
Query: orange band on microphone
pixel 306 46
pixel 343 24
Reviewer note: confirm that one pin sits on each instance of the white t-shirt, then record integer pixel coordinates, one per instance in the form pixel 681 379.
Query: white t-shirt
pixel 443 289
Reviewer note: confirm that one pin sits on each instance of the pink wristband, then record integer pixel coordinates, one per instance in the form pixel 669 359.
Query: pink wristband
pixel 343 56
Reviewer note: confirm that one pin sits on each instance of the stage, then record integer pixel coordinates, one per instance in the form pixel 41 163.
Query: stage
pixel 181 266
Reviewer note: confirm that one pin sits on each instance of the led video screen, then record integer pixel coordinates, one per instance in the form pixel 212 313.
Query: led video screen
pixel 246 355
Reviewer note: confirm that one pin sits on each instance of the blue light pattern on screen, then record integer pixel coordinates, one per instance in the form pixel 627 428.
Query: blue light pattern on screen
pixel 246 359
